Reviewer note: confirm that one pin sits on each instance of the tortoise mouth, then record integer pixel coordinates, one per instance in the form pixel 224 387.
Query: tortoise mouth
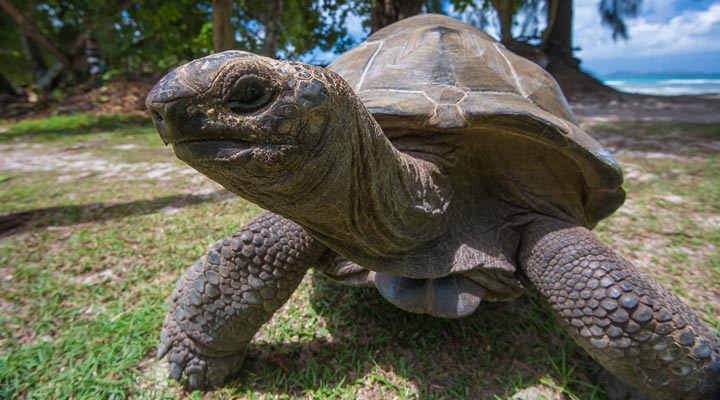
pixel 220 150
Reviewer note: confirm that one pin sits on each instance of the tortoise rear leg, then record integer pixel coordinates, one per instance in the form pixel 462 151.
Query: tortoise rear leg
pixel 228 294
pixel 634 327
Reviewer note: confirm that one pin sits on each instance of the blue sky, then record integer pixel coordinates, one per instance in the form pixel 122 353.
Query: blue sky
pixel 668 35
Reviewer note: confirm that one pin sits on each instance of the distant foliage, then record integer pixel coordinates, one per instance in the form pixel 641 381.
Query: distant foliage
pixel 13 63
pixel 155 35
pixel 614 13
pixel 306 25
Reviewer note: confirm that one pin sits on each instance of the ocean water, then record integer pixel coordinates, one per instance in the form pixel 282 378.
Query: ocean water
pixel 668 86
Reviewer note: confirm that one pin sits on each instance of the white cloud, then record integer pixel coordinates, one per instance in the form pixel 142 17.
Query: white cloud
pixel 354 26
pixel 691 31
pixel 661 10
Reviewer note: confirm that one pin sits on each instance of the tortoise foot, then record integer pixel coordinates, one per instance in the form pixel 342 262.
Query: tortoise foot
pixel 634 327
pixel 227 295
pixel 188 363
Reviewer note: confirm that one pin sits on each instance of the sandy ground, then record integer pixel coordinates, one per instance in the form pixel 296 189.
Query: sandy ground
pixel 628 107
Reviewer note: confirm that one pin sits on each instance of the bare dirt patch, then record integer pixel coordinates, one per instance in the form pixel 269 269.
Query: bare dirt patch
pixel 74 164
pixel 7 307
pixel 631 107
pixel 123 96
pixel 537 393
pixel 591 100
pixel 668 234
pixel 648 141
pixel 153 376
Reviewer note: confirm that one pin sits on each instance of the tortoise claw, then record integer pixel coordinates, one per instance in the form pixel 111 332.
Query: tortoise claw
pixel 162 350
pixel 187 360
pixel 175 371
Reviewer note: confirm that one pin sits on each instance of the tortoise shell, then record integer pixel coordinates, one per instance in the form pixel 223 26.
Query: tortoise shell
pixel 455 88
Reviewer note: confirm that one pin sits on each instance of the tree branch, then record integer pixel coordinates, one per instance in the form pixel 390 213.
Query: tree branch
pixel 30 29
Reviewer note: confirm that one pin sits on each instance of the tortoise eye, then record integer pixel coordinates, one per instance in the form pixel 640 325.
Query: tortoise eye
pixel 249 93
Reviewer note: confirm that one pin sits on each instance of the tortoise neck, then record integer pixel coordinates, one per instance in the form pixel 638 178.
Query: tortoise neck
pixel 375 202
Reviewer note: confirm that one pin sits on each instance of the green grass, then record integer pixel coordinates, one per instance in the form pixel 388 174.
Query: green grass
pixel 89 254
pixel 64 127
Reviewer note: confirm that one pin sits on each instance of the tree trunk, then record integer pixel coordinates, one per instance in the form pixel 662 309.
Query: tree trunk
pixel 385 12
pixel 558 43
pixel 30 29
pixel 272 28
pixel 504 9
pixel 552 11
pixel 223 35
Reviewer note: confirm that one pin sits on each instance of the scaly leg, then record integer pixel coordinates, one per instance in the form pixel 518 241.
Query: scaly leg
pixel 228 294
pixel 634 327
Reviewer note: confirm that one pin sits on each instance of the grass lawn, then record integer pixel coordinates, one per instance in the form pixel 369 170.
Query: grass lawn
pixel 98 220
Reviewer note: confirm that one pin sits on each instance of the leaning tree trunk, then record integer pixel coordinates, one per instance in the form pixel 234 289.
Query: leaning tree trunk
pixel 272 28
pixel 385 12
pixel 31 50
pixel 221 25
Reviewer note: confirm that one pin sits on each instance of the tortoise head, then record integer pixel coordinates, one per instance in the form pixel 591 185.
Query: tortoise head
pixel 248 122
pixel 296 140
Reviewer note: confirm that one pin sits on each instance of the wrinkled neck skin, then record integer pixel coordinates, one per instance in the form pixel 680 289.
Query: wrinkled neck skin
pixel 376 202
pixel 354 191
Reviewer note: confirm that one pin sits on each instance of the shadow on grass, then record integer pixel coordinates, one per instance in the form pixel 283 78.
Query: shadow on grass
pixel 93 212
pixel 75 124
pixel 502 348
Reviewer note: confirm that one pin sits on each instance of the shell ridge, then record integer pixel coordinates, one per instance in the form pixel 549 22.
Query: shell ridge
pixel 435 108
pixel 391 91
pixel 518 84
pixel 478 48
pixel 499 92
pixel 367 66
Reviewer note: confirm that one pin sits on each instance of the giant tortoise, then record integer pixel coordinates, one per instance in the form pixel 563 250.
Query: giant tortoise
pixel 431 163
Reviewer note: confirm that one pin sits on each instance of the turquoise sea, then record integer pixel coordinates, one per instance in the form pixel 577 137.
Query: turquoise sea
pixel 666 85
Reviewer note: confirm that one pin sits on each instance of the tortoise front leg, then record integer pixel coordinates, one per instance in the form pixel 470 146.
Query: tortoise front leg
pixel 228 294
pixel 634 327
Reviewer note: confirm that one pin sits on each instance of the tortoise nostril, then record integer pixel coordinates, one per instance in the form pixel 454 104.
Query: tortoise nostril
pixel 157 116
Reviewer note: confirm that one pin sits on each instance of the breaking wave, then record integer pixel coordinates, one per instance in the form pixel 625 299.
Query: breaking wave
pixel 666 86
